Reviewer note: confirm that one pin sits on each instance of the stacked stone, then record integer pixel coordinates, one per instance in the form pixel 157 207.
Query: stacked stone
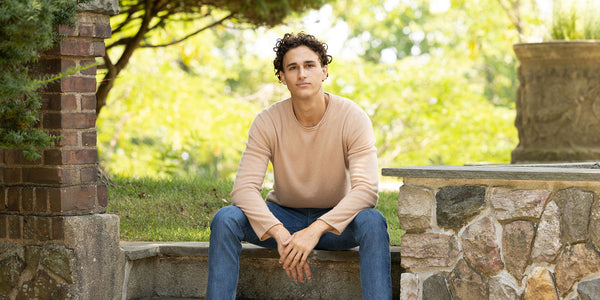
pixel 499 240
pixel 51 209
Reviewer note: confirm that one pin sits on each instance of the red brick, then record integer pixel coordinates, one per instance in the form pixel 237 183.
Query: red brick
pixel 89 175
pixel 67 30
pixel 69 120
pixel 58 230
pixel 55 50
pixel 14 227
pixel 53 157
pixel 51 87
pixel 46 101
pixel 12 175
pixel 102 195
pixel 27 199
pixel 3 226
pixel 54 175
pixel 41 200
pixel 66 138
pixel 43 228
pixel 88 102
pixel 13 199
pixel 103 30
pixel 76 47
pixel 99 49
pixel 72 199
pixel 55 199
pixel 59 103
pixel 3 204
pixel 86 29
pixel 54 65
pixel 16 157
pixel 29 228
pixel 70 157
pixel 78 84
pixel 52 120
pixel 88 139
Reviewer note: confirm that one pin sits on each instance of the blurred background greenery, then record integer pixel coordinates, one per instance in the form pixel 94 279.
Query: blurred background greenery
pixel 437 77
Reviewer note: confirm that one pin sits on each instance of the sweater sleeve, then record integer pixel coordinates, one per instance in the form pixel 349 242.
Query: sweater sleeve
pixel 250 177
pixel 363 170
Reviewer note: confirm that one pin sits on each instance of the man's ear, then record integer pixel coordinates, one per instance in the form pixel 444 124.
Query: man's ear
pixel 282 77
pixel 325 73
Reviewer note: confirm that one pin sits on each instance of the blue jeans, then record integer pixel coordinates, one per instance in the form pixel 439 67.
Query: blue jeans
pixel 368 230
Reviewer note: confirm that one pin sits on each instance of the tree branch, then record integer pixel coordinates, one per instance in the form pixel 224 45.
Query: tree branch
pixel 189 35
pixel 515 16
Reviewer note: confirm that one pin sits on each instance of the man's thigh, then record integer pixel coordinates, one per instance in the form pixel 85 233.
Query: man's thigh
pixel 367 220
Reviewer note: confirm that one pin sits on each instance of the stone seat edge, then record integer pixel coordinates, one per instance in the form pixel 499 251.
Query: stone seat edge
pixel 135 250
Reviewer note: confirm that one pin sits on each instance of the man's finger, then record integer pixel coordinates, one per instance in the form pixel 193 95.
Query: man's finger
pixel 294 274
pixel 307 271
pixel 300 274
pixel 289 259
pixel 285 254
pixel 296 262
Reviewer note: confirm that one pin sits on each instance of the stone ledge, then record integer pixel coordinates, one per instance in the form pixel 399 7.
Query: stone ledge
pixel 179 270
pixel 141 250
pixel 550 172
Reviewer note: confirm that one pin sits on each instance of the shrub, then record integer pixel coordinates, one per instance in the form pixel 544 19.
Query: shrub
pixel 27 27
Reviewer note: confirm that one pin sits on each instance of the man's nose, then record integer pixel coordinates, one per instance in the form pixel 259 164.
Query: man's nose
pixel 301 72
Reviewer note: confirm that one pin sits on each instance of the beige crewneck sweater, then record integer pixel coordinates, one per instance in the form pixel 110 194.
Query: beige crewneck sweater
pixel 331 164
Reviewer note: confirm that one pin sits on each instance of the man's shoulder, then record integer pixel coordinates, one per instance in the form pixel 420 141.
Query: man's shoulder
pixel 276 108
pixel 346 106
pixel 272 115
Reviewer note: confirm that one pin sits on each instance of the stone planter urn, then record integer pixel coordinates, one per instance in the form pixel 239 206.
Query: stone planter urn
pixel 558 102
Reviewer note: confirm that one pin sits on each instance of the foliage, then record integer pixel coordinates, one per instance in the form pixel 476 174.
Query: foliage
pixel 177 123
pixel 138 21
pixel 26 29
pixel 180 209
pixel 576 19
pixel 450 101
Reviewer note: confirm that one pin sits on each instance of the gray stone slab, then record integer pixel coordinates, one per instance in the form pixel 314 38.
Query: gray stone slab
pixel 549 172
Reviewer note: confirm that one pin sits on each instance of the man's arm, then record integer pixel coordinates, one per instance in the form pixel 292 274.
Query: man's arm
pixel 249 179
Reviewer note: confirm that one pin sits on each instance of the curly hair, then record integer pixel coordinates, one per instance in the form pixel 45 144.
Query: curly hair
pixel 291 41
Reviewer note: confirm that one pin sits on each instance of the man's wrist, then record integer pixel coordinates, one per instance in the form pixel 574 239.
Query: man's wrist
pixel 276 232
pixel 320 227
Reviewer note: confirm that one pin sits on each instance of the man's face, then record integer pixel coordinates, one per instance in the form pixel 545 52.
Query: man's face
pixel 302 72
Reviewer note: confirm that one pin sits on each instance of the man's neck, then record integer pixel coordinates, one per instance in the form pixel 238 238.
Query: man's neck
pixel 309 112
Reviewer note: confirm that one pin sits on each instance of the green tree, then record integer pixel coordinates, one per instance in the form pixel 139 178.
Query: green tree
pixel 448 101
pixel 134 26
pixel 27 27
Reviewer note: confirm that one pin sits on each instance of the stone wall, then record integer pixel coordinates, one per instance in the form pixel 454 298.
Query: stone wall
pixel 476 235
pixel 55 240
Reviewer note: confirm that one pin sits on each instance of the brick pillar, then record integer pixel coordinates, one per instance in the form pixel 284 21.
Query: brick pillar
pixel 55 240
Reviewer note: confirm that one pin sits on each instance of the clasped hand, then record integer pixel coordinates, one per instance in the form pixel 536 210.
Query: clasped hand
pixel 295 249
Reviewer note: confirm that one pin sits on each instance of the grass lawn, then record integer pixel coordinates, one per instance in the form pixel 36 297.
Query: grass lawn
pixel 181 209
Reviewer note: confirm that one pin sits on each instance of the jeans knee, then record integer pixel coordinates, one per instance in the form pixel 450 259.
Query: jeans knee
pixel 371 218
pixel 225 217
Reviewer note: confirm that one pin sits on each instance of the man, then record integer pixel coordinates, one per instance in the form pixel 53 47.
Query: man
pixel 325 181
